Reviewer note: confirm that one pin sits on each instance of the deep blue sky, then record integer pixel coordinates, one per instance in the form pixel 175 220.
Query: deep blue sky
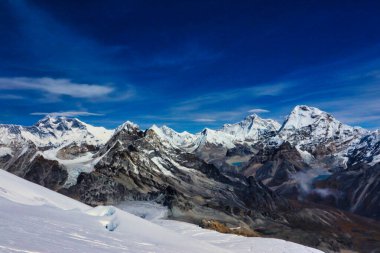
pixel 188 64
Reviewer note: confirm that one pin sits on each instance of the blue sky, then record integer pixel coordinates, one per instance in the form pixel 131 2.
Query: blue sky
pixel 188 64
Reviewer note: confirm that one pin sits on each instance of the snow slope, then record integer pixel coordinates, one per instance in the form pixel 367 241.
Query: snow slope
pixel 35 219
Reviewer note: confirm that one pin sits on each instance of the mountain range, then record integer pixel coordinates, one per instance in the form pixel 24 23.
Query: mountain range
pixel 311 180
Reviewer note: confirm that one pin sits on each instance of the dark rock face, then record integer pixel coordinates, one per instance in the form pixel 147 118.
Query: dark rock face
pixel 211 153
pixel 26 163
pixel 46 173
pixel 276 166
pixel 355 189
pixel 5 159
pixel 241 150
pixel 333 228
pixel 96 189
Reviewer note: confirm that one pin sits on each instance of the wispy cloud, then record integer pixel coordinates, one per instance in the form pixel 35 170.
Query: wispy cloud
pixel 211 107
pixel 272 89
pixel 258 110
pixel 56 87
pixel 10 97
pixel 68 113
pixel 363 108
pixel 212 116
pixel 204 120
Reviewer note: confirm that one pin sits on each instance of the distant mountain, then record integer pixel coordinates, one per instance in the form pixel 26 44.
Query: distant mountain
pixel 53 151
pixel 314 131
pixel 55 131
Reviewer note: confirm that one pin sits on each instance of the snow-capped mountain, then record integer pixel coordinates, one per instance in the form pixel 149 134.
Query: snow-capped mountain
pixel 308 127
pixel 128 126
pixel 55 131
pixel 66 145
pixel 250 130
pixel 204 176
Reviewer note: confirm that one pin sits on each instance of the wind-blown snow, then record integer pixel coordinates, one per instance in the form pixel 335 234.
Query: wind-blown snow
pixel 35 219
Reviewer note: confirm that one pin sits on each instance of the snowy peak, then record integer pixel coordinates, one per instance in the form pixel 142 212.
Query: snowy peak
pixel 302 116
pixel 252 128
pixel 60 130
pixel 128 126
pixel 183 139
pixel 59 123
pixel 309 124
pixel 305 116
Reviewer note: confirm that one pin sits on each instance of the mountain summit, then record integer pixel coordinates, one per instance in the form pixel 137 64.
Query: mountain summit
pixel 309 126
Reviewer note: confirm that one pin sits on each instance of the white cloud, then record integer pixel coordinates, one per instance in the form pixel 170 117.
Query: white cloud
pixel 56 87
pixel 204 120
pixel 258 110
pixel 68 113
